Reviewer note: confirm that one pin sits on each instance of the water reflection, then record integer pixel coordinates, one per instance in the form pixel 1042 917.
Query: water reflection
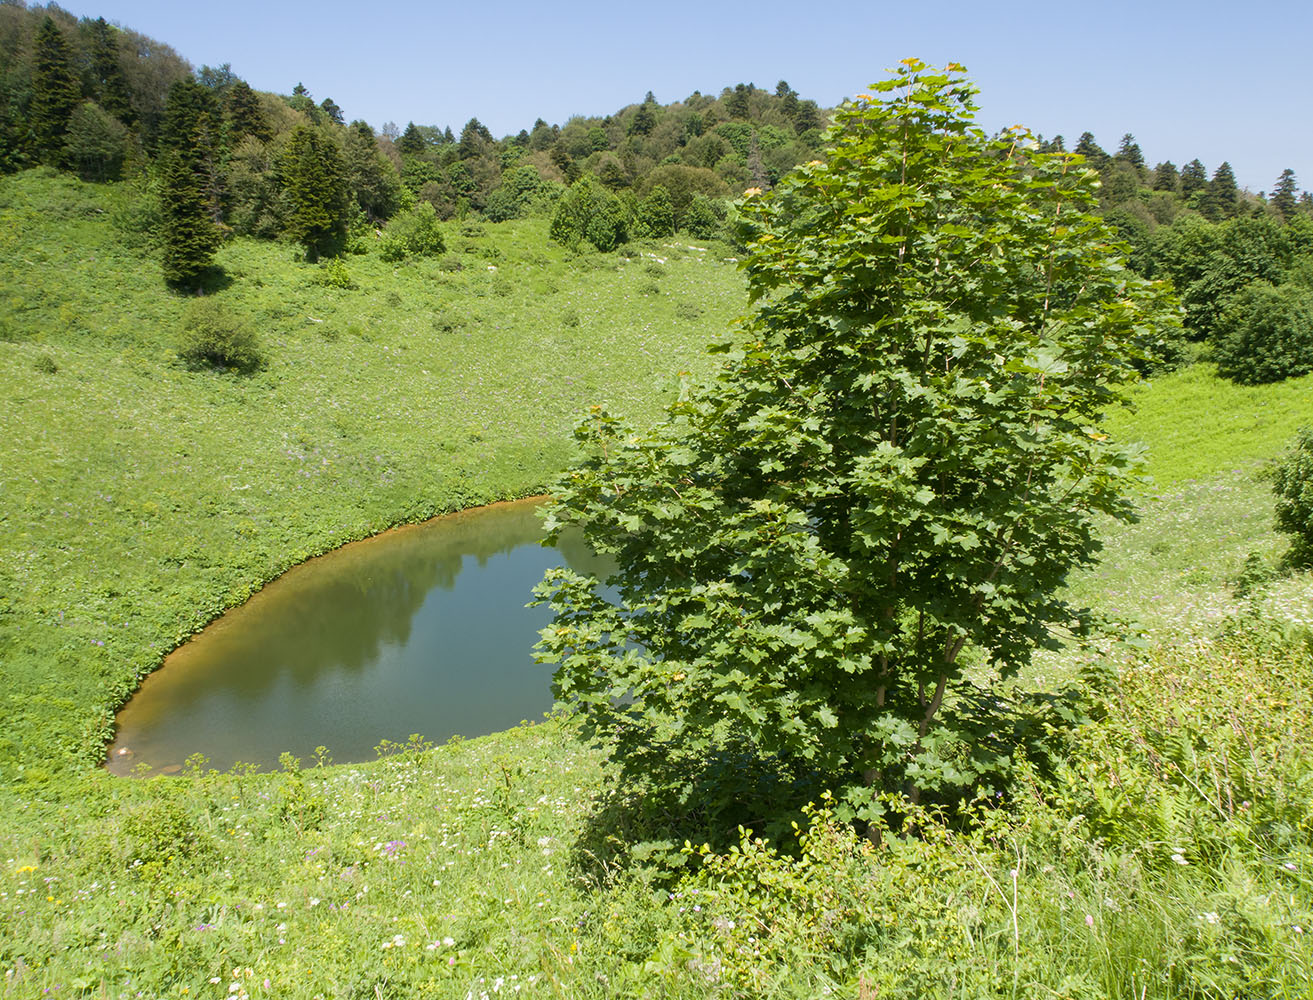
pixel 422 630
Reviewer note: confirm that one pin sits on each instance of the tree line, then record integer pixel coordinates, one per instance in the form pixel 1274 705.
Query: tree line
pixel 90 97
pixel 1241 263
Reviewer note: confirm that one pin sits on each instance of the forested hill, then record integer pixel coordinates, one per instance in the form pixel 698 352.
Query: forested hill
pixel 92 97
pixel 215 158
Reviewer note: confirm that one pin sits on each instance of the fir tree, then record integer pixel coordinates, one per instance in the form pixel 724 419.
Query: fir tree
pixel 190 238
pixel 331 109
pixel 411 141
pixel 56 92
pixel 474 139
pixel 1193 178
pixel 1129 151
pixel 1221 201
pixel 245 114
pixel 313 180
pixel 737 105
pixel 644 120
pixel 1094 154
pixel 1165 177
pixel 1284 195
pixel 186 139
pixel 111 86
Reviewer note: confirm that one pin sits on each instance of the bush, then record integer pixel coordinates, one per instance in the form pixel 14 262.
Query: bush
pixel 1266 334
pixel 1293 486
pixel 213 336
pixel 415 233
pixel 334 274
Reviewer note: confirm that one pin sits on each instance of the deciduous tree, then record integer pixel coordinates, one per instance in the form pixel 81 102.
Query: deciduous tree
pixel 899 463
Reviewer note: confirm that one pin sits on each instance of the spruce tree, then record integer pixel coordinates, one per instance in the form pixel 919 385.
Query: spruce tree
pixel 1284 195
pixel 56 92
pixel 190 238
pixel 245 114
pixel 737 105
pixel 411 141
pixel 330 108
pixel 1094 154
pixel 186 141
pixel 644 120
pixel 474 138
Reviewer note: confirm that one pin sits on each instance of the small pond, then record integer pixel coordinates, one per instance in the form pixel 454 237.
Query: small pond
pixel 419 630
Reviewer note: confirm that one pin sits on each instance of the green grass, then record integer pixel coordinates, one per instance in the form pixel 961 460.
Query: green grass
pixel 1196 425
pixel 139 498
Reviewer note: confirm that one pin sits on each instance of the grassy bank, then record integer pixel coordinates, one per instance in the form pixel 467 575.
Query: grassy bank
pixel 141 498
pixel 1166 853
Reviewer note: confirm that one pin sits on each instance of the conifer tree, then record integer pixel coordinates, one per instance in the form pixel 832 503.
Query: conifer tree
pixel 186 139
pixel 1193 178
pixel 1221 200
pixel 313 179
pixel 1165 177
pixel 737 105
pixel 1129 151
pixel 245 115
pixel 56 92
pixel 1094 154
pixel 644 120
pixel 1284 195
pixel 411 141
pixel 190 238
pixel 330 108
pixel 474 139
pixel 110 84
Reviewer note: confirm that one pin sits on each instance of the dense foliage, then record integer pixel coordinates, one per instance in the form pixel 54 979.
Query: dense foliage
pixel 212 335
pixel 1293 485
pixel 891 476
pixel 1266 333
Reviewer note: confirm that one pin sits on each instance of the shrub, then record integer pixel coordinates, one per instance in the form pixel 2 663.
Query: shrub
pixel 1293 486
pixel 415 233
pixel 333 274
pixel 705 218
pixel 212 335
pixel 1266 334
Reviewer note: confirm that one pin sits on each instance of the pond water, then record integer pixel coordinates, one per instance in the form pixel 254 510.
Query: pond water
pixel 419 630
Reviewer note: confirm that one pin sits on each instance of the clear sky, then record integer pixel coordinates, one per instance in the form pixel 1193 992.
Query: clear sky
pixel 1217 81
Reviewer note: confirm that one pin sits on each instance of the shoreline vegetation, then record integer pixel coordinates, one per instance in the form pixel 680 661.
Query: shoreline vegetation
pixel 1168 854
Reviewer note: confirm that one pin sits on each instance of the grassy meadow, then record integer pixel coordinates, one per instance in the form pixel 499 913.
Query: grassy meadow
pixel 1167 853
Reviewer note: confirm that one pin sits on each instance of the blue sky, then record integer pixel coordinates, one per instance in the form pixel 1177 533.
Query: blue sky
pixel 1203 79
